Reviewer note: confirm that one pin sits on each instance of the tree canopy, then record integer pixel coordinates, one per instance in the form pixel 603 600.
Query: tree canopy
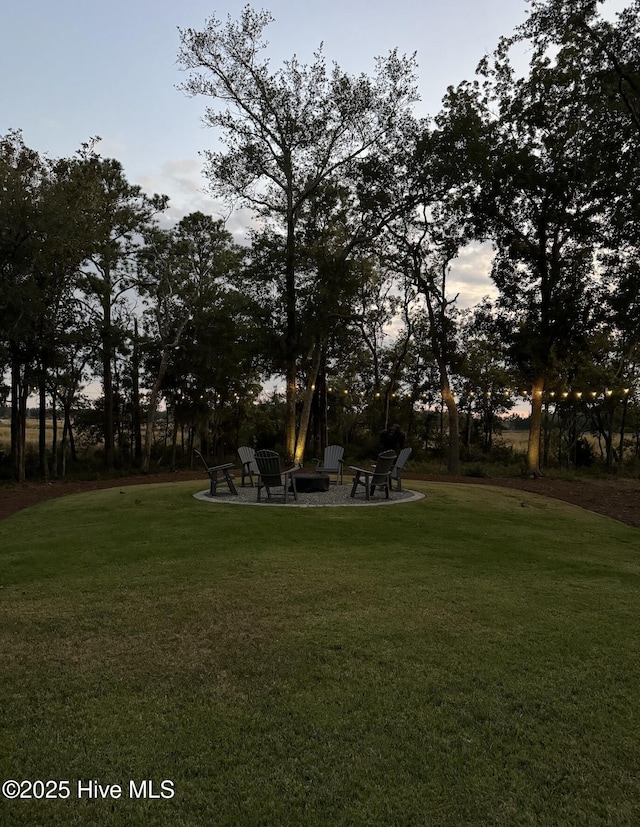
pixel 359 211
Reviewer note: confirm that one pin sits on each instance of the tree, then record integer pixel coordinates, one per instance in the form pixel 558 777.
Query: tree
pixel 65 385
pixel 41 247
pixel 487 380
pixel 22 172
pixel 336 294
pixel 605 55
pixel 428 264
pixel 426 237
pixel 63 244
pixel 530 188
pixel 609 52
pixel 180 273
pixel 286 133
pixel 118 214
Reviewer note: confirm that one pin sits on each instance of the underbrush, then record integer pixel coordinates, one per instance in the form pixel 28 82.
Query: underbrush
pixel 502 461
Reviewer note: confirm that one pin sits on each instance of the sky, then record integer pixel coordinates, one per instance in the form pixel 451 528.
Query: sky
pixel 73 69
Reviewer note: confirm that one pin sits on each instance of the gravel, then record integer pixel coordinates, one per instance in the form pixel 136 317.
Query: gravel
pixel 336 496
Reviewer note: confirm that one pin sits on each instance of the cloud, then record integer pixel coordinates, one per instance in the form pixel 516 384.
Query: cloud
pixel 109 147
pixel 183 182
pixel 470 275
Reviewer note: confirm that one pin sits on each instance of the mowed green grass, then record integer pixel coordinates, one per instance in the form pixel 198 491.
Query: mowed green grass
pixel 469 659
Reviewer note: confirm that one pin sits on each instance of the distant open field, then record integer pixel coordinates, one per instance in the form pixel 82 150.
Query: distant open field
pixel 519 440
pixel 32 432
pixel 516 439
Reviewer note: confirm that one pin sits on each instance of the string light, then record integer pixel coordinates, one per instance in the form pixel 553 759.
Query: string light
pixel 501 396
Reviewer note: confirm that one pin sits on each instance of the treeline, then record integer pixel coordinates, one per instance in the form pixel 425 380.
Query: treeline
pixel 360 210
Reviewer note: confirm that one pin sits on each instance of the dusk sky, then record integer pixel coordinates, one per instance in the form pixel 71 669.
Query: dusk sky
pixel 72 69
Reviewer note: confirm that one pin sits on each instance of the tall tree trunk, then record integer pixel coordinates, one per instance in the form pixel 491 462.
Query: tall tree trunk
pixel 19 394
pixel 623 425
pixel 68 426
pixel 291 334
pixel 453 451
pixel 290 412
pixel 136 421
pixel 306 408
pixel 63 451
pixel 174 441
pixel 151 413
pixel 42 423
pixel 155 392
pixel 547 433
pixel 608 435
pixel 440 346
pixel 535 428
pixel 320 410
pixel 54 436
pixel 107 370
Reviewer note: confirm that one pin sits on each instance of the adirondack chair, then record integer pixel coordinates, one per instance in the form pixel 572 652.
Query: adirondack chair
pixel 248 459
pixel 213 471
pixel 272 475
pixel 380 476
pixel 396 471
pixel 332 462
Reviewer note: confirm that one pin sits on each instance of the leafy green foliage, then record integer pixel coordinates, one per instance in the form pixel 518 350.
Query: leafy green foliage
pixel 287 133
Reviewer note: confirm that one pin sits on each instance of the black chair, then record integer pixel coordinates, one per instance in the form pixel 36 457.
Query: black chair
pixel 396 471
pixel 378 477
pixel 332 462
pixel 272 475
pixel 248 459
pixel 213 471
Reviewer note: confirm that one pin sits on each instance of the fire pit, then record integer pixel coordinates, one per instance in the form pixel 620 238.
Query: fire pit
pixel 308 483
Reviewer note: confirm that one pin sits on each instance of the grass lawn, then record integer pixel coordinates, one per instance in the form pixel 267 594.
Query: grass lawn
pixel 468 659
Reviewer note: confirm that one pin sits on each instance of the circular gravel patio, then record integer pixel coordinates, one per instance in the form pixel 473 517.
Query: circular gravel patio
pixel 336 497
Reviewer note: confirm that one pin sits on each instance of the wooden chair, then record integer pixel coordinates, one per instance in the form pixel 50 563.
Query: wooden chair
pixel 396 471
pixel 248 459
pixel 379 477
pixel 214 470
pixel 271 474
pixel 332 462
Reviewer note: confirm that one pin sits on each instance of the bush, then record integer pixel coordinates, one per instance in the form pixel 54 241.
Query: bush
pixel 584 453
pixel 475 470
